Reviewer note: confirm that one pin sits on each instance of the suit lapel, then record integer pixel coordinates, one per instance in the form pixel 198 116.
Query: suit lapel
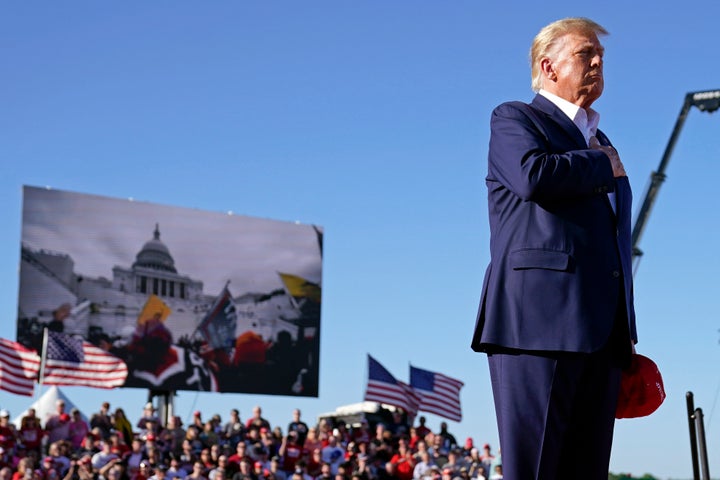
pixel 558 116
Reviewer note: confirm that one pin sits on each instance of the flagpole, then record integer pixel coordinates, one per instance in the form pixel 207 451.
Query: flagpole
pixel 43 356
pixel 222 292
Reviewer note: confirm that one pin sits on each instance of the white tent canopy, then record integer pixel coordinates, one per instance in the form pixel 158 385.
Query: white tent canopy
pixel 45 406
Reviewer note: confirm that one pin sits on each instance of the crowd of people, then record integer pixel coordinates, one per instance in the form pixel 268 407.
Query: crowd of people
pixel 109 447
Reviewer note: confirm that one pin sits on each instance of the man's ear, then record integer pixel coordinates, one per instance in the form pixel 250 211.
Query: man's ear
pixel 548 69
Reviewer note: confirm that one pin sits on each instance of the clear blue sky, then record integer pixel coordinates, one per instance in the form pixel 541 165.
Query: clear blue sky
pixel 371 119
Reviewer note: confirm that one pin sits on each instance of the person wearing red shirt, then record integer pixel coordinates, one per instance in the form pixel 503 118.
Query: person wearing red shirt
pixel 404 462
pixel 8 435
pixel 290 452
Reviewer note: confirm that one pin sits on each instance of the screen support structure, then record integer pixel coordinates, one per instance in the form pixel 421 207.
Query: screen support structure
pixel 165 404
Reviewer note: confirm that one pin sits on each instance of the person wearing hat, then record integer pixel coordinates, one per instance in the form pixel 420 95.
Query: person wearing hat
pixel 148 415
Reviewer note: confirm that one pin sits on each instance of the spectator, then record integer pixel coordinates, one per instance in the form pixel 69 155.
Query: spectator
pixel 423 467
pixel 8 435
pixel 135 456
pixel 422 429
pixel 192 436
pixel 487 458
pixel 104 456
pixel 314 462
pixel 143 472
pixel 58 424
pixel 299 427
pixel 206 460
pixel 31 434
pixel 239 455
pixel 122 426
pixel 24 466
pixel 160 473
pixel 77 429
pixel 361 434
pixel 403 463
pixel 448 439
pixel 312 442
pixel 398 427
pixel 290 451
pixel 172 437
pixel 208 436
pixel 275 469
pixel 333 454
pixel 244 470
pixel 197 420
pixel 148 415
pixel 234 430
pixel 102 420
pixel 90 445
pixel 221 466
pixel 60 461
pixel 497 473
pixel 175 471
pixel 257 420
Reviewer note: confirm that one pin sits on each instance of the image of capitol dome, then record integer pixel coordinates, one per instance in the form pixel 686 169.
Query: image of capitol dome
pixel 155 255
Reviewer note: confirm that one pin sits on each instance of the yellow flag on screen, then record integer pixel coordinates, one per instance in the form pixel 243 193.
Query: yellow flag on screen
pixel 154 309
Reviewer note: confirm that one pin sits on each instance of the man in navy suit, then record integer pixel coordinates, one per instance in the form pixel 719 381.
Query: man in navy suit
pixel 556 316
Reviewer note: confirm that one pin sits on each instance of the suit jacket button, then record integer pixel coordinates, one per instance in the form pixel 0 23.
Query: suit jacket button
pixel 615 274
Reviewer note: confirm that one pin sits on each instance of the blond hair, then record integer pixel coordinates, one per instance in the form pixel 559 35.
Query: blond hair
pixel 547 38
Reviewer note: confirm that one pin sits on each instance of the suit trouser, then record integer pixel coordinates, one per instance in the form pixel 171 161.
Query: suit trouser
pixel 555 413
pixel 556 410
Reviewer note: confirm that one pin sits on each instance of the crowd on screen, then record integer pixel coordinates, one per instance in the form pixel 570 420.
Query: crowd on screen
pixel 110 447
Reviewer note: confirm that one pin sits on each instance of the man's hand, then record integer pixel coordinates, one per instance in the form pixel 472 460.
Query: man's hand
pixel 617 166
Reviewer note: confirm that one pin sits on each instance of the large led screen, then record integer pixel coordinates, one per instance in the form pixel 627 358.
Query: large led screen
pixel 188 299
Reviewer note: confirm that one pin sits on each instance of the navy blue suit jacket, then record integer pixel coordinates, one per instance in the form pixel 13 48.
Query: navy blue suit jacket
pixel 560 257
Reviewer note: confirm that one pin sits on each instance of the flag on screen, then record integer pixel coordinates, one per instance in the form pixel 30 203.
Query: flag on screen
pixel 18 368
pixel 384 388
pixel 73 361
pixel 439 394
pixel 154 309
pixel 218 326
pixel 300 289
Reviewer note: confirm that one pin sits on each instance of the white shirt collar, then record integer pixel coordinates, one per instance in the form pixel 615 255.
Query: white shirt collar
pixel 586 120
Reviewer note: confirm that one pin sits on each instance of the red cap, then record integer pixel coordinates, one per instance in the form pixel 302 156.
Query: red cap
pixel 641 389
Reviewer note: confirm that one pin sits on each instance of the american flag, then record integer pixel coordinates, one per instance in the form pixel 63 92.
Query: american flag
pixel 18 368
pixel 439 394
pixel 73 361
pixel 384 388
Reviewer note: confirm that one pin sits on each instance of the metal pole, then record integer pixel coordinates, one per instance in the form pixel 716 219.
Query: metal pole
pixel 656 180
pixel 693 435
pixel 702 445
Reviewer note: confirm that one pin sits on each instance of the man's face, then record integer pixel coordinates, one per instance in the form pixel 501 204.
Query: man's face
pixel 574 69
